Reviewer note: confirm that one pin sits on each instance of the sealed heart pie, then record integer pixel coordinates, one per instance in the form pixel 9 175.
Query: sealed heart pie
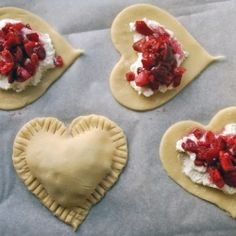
pixel 158 57
pixel 70 169
pixel 202 159
pixel 32 57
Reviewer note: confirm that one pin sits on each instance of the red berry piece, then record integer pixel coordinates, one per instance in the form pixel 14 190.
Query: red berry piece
pixel 29 47
pixel 58 61
pixel 216 177
pixel 198 162
pixel 142 28
pixel 148 60
pixel 6 55
pixel 22 74
pixel 33 37
pixel 29 66
pixel 34 58
pixel 190 146
pixel 130 76
pixel 18 26
pixel 142 79
pixel 11 40
pixel 225 161
pixel 210 137
pixel 18 55
pixel 40 51
pixel 138 46
pixel 5 67
pixel 230 178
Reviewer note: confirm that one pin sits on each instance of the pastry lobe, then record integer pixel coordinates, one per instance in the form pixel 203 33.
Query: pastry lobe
pixel 71 169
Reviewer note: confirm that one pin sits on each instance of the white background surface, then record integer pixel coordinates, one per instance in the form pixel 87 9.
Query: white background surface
pixel 144 201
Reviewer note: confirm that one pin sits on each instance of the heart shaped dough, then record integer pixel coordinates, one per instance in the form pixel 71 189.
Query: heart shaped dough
pixel 172 163
pixel 122 38
pixel 71 169
pixel 11 99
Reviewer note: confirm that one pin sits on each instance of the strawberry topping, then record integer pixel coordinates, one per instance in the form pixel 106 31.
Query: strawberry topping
pixel 159 64
pixel 20 53
pixel 216 152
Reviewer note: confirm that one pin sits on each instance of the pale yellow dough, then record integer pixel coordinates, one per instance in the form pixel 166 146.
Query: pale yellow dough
pixel 123 40
pixel 70 170
pixel 172 163
pixel 13 100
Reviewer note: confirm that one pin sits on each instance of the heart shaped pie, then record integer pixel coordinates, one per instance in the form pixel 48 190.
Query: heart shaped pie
pixel 26 56
pixel 168 57
pixel 201 159
pixel 69 170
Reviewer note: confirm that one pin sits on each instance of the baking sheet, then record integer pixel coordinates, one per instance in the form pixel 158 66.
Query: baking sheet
pixel 144 201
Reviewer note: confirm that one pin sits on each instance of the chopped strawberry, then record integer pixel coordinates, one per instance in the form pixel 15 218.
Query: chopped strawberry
pixel 30 66
pixel 225 161
pixel 190 146
pixel 33 37
pixel 230 178
pixel 58 61
pixel 18 26
pixel 210 137
pixel 18 55
pixel 148 60
pixel 11 40
pixel 5 67
pixel 142 79
pixel 142 28
pixel 29 47
pixel 6 55
pixel 198 162
pixel 130 76
pixel 216 177
pixel 34 58
pixel 22 74
pixel 40 51
pixel 138 46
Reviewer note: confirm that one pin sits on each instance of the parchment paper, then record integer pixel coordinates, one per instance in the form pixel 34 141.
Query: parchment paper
pixel 144 201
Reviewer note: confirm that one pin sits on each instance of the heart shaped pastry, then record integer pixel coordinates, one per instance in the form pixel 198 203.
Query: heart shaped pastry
pixel 123 40
pixel 218 169
pixel 10 99
pixel 70 170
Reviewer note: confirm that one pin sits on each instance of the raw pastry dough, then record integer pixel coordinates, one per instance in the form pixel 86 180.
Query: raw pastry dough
pixel 71 169
pixel 123 40
pixel 172 163
pixel 11 99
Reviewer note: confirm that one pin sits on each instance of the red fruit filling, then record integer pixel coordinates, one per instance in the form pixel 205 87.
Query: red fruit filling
pixel 217 152
pixel 20 54
pixel 159 63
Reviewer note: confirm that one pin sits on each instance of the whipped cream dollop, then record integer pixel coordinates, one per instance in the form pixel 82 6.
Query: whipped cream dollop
pixel 146 91
pixel 198 174
pixel 43 66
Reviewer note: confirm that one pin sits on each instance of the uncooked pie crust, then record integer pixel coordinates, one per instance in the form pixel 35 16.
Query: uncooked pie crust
pixel 172 161
pixel 10 99
pixel 70 169
pixel 123 40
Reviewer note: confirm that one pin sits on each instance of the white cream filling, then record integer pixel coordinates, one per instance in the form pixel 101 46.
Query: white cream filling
pixel 198 174
pixel 43 66
pixel 146 91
